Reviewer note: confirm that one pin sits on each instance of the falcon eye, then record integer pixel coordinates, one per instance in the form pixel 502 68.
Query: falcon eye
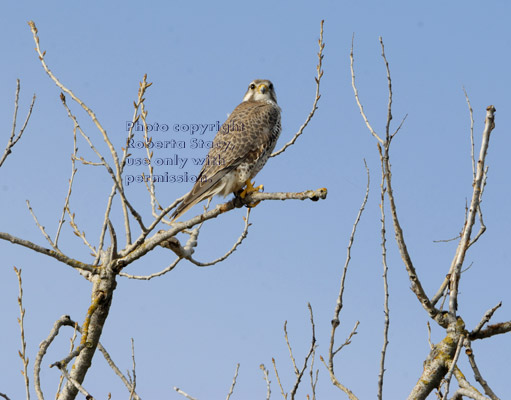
pixel 252 86
pixel 271 86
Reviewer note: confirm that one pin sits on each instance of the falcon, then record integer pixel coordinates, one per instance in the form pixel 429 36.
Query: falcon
pixel 240 148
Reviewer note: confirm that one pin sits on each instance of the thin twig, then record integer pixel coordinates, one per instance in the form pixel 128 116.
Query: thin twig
pixel 339 304
pixel 71 180
pixel 290 350
pixel 21 319
pixel 69 357
pixel 471 111
pixel 316 99
pixel 284 395
pixel 348 339
pixel 389 82
pixel 79 233
pixel 134 380
pixel 116 370
pixel 231 390
pixel 355 90
pixel 267 380
pixel 71 348
pixel 156 274
pixel 234 247
pixel 386 311
pixel 314 379
pixel 182 393
pixel 13 140
pixel 150 186
pixel 477 373
pixel 300 373
pixel 41 228
pixel 431 346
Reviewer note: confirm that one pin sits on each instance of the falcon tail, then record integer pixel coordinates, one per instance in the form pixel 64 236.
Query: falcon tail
pixel 183 207
pixel 196 195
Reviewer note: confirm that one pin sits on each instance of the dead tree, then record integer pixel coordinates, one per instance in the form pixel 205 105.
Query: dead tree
pixel 441 363
pixel 141 234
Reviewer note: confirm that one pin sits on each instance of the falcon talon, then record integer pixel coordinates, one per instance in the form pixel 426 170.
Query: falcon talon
pixel 250 189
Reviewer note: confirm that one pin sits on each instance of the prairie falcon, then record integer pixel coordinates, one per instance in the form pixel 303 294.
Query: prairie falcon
pixel 240 148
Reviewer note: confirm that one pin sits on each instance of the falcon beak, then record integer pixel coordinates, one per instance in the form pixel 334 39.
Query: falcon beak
pixel 262 88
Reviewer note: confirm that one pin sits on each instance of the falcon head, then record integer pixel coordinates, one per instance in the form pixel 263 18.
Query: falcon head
pixel 260 90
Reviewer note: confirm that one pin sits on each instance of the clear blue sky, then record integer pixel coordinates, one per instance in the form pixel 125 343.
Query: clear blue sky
pixel 193 325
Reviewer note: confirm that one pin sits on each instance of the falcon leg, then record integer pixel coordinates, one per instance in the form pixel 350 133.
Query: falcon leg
pixel 251 189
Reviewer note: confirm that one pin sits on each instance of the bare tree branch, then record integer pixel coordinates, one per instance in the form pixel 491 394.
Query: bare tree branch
pixel 383 148
pixel 75 383
pixel 117 177
pixel 267 380
pixel 135 251
pixel 299 373
pixel 184 394
pixel 474 205
pixel 43 347
pixel 470 393
pixel 492 330
pixel 486 318
pixel 156 274
pixel 339 304
pixel 233 248
pixel 462 382
pixel 41 228
pixel 71 348
pixel 70 186
pixel 51 253
pixel 355 90
pixel 386 311
pixel 21 319
pixel 314 379
pixel 231 390
pixel 12 139
pixel 134 379
pixel 117 371
pixel 471 133
pixel 316 99
pixel 477 373
pixel 79 233
pixel 284 395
